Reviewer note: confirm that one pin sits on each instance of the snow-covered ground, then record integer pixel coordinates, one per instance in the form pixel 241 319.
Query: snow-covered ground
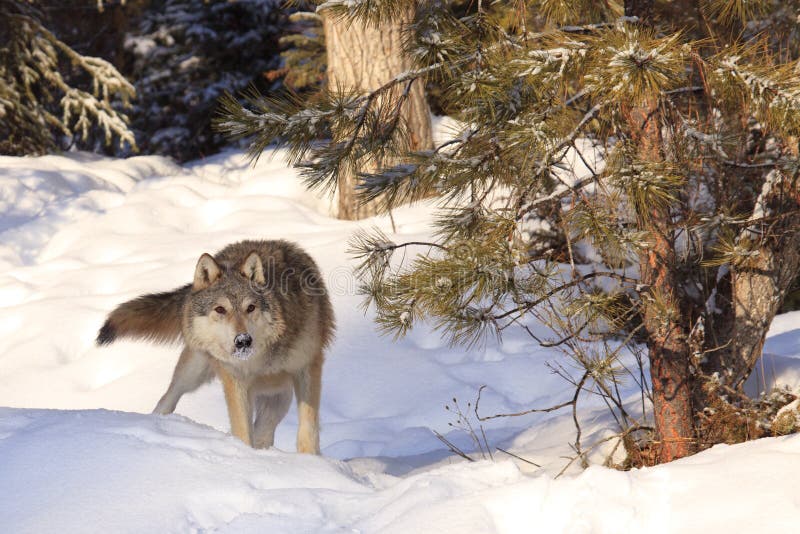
pixel 77 452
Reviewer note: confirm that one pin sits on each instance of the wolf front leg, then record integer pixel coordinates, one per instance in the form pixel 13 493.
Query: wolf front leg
pixel 307 389
pixel 192 371
pixel 239 406
pixel 270 410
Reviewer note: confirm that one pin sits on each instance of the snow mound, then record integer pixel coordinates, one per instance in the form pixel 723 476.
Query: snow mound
pixel 80 234
pixel 103 471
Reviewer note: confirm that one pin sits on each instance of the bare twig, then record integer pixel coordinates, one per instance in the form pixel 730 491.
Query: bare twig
pixel 453 448
pixel 620 435
pixel 518 457
pixel 411 243
pixel 533 410
pixel 578 389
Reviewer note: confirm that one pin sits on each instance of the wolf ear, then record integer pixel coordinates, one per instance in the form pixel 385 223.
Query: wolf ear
pixel 206 273
pixel 253 269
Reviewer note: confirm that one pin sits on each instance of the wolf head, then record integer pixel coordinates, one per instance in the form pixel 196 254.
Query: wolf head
pixel 231 313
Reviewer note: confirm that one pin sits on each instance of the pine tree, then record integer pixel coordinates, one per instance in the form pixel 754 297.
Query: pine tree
pixel 41 97
pixel 665 135
pixel 188 53
pixel 304 61
pixel 363 56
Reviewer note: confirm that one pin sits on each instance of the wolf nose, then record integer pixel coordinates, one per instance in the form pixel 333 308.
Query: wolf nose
pixel 243 341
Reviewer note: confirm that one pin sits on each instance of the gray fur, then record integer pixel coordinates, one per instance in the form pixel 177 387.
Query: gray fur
pixel 270 291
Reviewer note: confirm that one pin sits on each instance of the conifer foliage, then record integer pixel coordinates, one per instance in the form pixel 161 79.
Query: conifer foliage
pixel 664 134
pixel 303 53
pixel 188 53
pixel 49 92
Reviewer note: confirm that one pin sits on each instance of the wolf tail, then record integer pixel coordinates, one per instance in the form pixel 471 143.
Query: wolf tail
pixel 154 317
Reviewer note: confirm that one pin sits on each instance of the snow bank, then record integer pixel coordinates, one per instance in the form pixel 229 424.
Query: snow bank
pixel 125 227
pixel 101 471
pixel 80 233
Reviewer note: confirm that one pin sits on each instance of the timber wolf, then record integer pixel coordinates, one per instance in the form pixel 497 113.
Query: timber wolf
pixel 257 315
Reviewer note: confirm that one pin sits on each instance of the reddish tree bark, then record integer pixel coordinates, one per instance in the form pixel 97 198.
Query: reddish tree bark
pixel 668 349
pixel 664 321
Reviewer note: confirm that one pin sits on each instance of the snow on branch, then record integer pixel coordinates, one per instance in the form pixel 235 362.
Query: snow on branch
pixel 367 11
pixel 36 78
pixel 772 90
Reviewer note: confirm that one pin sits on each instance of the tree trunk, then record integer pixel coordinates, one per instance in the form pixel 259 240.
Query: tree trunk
pixel 758 293
pixel 665 322
pixel 668 352
pixel 759 285
pixel 362 58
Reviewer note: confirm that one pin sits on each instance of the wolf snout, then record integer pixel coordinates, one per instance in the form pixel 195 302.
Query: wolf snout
pixel 243 341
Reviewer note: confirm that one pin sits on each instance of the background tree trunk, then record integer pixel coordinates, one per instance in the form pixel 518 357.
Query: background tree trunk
pixel 758 288
pixel 362 59
pixel 758 293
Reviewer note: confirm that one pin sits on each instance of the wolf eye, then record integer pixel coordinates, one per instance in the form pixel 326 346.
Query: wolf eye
pixel 251 308
pixel 220 310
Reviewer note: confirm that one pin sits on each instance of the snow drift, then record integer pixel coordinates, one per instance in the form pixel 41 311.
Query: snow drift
pixel 77 452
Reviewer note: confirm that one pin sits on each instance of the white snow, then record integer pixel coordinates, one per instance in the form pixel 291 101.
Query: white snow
pixel 79 451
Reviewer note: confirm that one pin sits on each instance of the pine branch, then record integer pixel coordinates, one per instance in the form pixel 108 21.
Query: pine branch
pixel 565 189
pixel 527 305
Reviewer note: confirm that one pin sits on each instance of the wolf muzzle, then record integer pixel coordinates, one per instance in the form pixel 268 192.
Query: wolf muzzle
pixel 243 346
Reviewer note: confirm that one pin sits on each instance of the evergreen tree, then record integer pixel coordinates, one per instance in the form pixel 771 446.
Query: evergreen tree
pixel 665 135
pixel 188 53
pixel 360 57
pixel 49 92
pixel 303 54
